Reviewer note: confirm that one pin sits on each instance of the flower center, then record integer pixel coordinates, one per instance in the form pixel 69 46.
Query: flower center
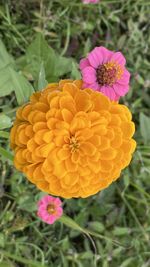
pixel 109 73
pixel 51 209
pixel 74 145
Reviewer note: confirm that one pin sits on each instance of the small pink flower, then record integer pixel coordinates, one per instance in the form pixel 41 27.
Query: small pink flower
pixel 49 209
pixel 90 1
pixel 104 71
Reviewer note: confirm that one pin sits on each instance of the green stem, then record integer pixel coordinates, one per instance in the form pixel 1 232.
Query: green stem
pixel 70 223
pixel 21 259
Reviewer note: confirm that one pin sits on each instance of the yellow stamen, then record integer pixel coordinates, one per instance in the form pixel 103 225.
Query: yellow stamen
pixel 114 65
pixel 74 145
pixel 51 209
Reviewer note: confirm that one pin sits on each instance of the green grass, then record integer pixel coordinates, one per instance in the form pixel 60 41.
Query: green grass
pixel 114 224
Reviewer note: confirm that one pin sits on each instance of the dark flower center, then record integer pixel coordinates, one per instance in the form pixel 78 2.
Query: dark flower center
pixel 109 73
pixel 51 209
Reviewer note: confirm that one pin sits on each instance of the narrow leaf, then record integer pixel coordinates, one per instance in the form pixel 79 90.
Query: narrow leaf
pixel 11 80
pixel 42 82
pixel 6 154
pixel 145 127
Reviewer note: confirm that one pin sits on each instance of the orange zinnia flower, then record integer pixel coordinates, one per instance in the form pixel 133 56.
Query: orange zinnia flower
pixel 72 142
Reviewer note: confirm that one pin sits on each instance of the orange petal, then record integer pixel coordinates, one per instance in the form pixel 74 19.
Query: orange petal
pixel 87 148
pixel 75 156
pixel 95 140
pixel 99 129
pixel 60 170
pixel 70 178
pixel 117 141
pixel 100 102
pixel 54 103
pixel 83 101
pixel 128 146
pixel 105 143
pixel 106 166
pixel 39 126
pixel 41 106
pixel 71 89
pixel 70 166
pixel 84 134
pixel 115 120
pixel 25 111
pixel 128 129
pixel 67 115
pixel 38 174
pixel 63 154
pixel 47 136
pixel 108 154
pixel 38 137
pixel 46 149
pixel 40 116
pixel 68 103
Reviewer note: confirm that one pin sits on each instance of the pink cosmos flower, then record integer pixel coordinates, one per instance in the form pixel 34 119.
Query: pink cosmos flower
pixel 49 209
pixel 90 1
pixel 104 71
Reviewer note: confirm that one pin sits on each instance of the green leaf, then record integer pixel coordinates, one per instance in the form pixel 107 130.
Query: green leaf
pixel 6 264
pixel 38 52
pixel 25 261
pixel 23 89
pixel 62 65
pixel 6 61
pixel 97 227
pixel 120 231
pixel 4 134
pixel 86 255
pixel 75 73
pixel 27 203
pixel 6 154
pixel 54 65
pixel 2 240
pixel 70 223
pixel 128 261
pixel 11 80
pixel 5 122
pixel 145 127
pixel 42 82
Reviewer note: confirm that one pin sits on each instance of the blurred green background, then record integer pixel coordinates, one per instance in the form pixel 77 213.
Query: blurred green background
pixel 44 40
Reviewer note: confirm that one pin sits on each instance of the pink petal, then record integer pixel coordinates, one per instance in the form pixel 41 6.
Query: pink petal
pixel 42 212
pixel 51 219
pixel 39 202
pixel 95 57
pixel 109 92
pixel 107 54
pixel 49 199
pixel 117 97
pixel 59 212
pixel 45 200
pixel 43 215
pixel 57 201
pixel 121 89
pixel 99 55
pixel 118 57
pixel 95 86
pixel 125 78
pixel 84 63
pixel 86 85
pixel 89 75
